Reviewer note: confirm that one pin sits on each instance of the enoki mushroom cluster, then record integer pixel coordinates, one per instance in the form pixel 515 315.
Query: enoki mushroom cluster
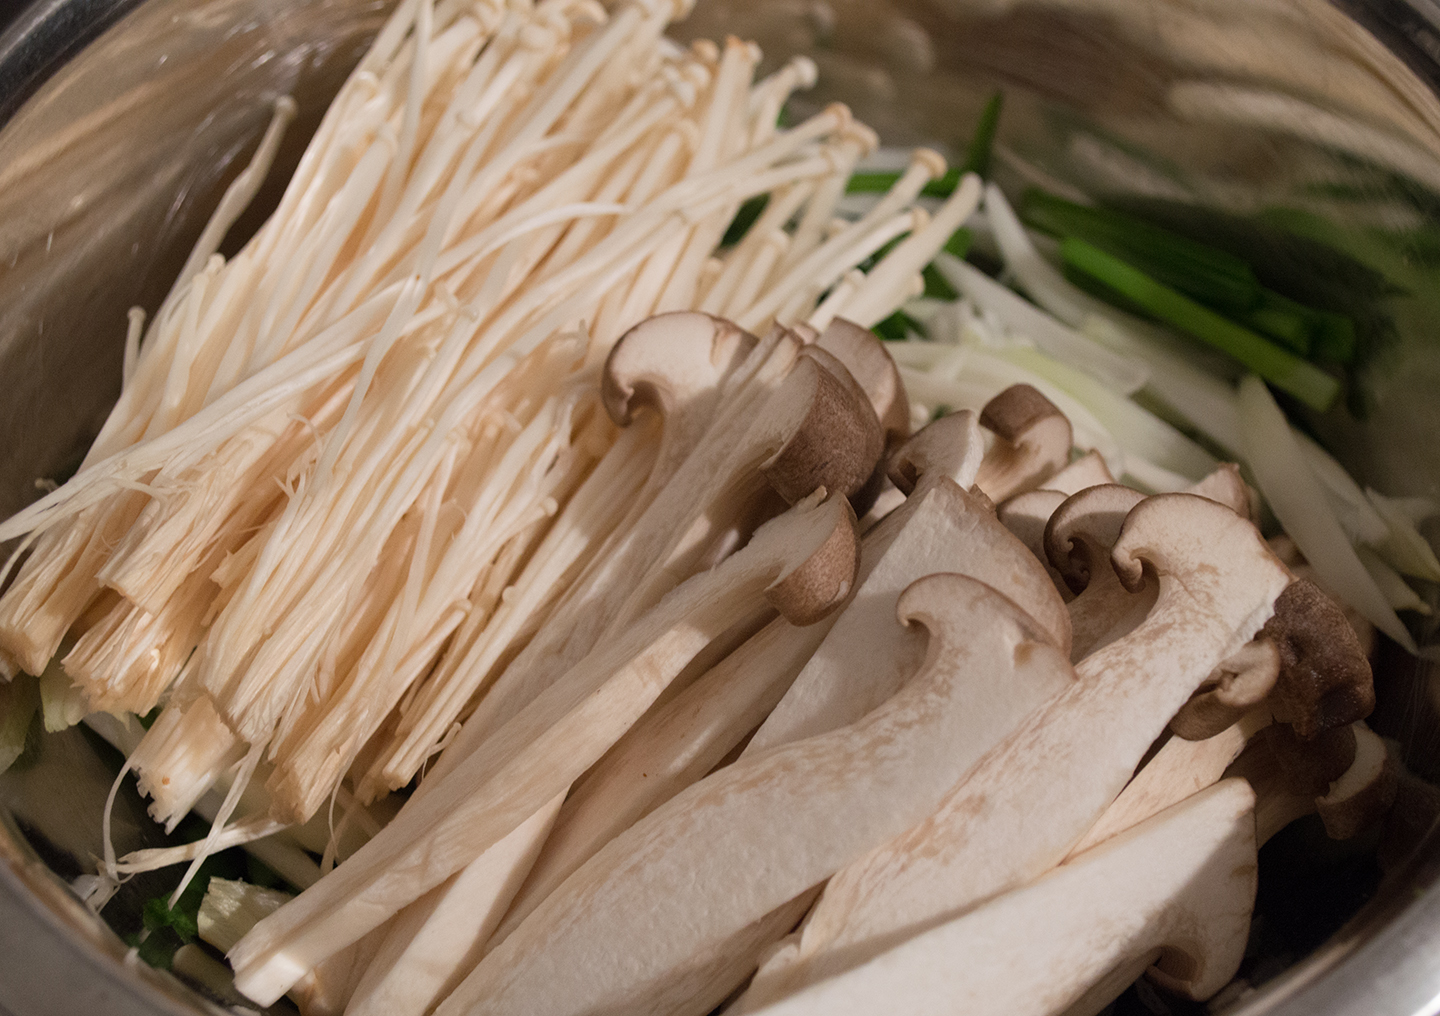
pixel 354 467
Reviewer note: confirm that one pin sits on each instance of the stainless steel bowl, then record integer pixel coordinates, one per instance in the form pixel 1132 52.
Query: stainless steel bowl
pixel 114 153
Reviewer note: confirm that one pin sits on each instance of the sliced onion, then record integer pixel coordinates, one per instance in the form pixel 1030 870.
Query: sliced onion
pixel 1296 497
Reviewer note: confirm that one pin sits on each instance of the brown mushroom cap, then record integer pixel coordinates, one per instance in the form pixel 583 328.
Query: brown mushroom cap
pixel 878 440
pixel 837 443
pixel 1034 442
pixel 1026 515
pixel 1360 798
pixel 822 581
pixel 1084 527
pixel 1309 767
pixel 866 357
pixel 665 360
pixel 951 446
pixel 1089 470
pixel 1226 486
pixel 1325 680
pixel 1239 684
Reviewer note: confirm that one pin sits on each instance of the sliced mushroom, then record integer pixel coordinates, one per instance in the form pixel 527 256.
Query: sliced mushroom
pixel 1227 486
pixel 1032 443
pixel 1179 770
pixel 1212 730
pixel 1078 538
pixel 675 364
pixel 866 658
pixel 1363 795
pixel 1026 515
pixel 803 561
pixel 1022 808
pixel 1325 678
pixel 1089 470
pixel 432 944
pixel 1237 686
pixel 951 446
pixel 866 357
pixel 1175 892
pixel 620 932
pixel 1346 775
pixel 815 429
pixel 848 664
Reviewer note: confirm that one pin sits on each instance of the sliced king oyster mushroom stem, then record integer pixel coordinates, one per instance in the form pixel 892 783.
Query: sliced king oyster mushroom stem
pixel 1178 888
pixel 803 562
pixel 643 917
pixel 698 390
pixel 1033 796
pixel 851 661
pixel 1244 695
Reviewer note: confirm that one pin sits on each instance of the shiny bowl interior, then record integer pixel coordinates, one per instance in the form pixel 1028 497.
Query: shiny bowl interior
pixel 109 168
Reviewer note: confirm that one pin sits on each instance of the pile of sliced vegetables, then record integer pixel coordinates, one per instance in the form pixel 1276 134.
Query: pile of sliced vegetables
pixel 528 520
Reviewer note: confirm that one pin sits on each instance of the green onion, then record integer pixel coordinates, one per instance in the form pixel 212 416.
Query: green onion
pixel 959 243
pixel 977 160
pixel 1280 367
pixel 977 155
pixel 744 219
pixel 871 183
pixel 1212 276
pixel 1281 318
pixel 936 285
pixel 1316 334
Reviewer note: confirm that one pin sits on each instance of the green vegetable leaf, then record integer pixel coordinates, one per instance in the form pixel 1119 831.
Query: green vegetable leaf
pixel 1280 367
pixel 977 155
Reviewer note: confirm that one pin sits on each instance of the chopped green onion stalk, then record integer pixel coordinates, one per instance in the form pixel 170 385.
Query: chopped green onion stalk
pixel 1283 369
pixel 1212 276
pixel 977 156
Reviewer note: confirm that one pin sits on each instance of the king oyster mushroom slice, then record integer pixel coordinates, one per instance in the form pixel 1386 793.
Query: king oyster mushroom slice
pixel 431 944
pixel 1032 442
pixel 1032 797
pixel 1348 766
pixel 677 366
pixel 1089 470
pixel 1026 515
pixel 1237 686
pixel 867 359
pixel 1346 776
pixel 846 677
pixel 939 528
pixel 1177 889
pixel 1246 687
pixel 644 914
pixel 1227 486
pixel 803 562
pixel 586 609
pixel 1077 539
pixel 816 429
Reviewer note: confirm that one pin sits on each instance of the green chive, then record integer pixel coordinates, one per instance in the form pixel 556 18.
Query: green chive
pixel 1280 367
pixel 1212 276
pixel 977 156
